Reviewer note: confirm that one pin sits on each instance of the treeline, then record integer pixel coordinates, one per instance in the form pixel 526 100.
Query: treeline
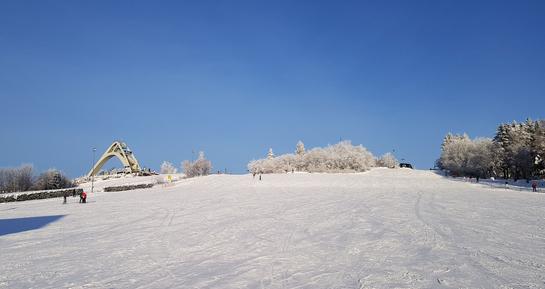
pixel 200 167
pixel 22 179
pixel 341 157
pixel 516 152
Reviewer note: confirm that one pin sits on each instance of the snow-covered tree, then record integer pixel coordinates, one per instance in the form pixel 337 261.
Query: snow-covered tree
pixel 341 157
pixel 463 156
pixel 52 179
pixel 517 151
pixel 455 155
pixel 168 168
pixel 538 145
pixel 16 179
pixel 270 154
pixel 300 149
pixel 482 158
pixel 200 167
pixel 388 160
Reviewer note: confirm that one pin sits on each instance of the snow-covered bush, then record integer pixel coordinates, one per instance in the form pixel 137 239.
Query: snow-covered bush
pixel 341 157
pixel 388 160
pixel 200 167
pixel 168 168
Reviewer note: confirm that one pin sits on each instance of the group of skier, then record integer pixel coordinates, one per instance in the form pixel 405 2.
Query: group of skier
pixel 82 197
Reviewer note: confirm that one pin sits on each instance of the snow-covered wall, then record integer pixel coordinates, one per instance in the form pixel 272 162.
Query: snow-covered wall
pixel 36 195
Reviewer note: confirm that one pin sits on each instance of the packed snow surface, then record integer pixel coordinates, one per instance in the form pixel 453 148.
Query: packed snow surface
pixel 380 229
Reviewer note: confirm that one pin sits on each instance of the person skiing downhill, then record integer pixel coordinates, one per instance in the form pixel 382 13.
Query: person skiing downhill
pixel 534 186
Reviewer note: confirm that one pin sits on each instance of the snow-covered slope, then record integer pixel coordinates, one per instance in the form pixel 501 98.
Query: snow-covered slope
pixel 380 229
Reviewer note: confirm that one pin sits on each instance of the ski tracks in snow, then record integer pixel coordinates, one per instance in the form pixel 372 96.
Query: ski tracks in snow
pixel 380 229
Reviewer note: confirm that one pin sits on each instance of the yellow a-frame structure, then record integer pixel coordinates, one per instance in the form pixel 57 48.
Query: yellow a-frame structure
pixel 123 153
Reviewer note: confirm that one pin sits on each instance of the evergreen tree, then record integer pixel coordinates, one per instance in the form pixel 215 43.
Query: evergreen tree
pixel 538 146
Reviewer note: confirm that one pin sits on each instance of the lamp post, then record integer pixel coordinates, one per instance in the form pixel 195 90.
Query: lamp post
pixel 93 175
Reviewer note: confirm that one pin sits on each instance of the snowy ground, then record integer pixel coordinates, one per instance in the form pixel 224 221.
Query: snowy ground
pixel 519 185
pixel 99 183
pixel 380 229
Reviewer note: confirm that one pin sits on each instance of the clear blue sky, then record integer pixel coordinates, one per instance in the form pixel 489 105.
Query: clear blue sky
pixel 234 78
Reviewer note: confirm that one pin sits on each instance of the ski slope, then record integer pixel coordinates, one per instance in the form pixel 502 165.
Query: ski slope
pixel 379 229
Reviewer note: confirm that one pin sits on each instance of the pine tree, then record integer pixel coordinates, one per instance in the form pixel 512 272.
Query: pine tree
pixel 538 146
pixel 270 154
pixel 503 140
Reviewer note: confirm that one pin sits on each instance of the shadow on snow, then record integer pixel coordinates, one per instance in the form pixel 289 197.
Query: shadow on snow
pixel 12 226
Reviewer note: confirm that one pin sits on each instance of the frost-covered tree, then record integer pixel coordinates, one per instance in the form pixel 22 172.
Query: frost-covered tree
pixel 300 148
pixel 503 140
pixel 482 158
pixel 52 179
pixel 517 151
pixel 538 145
pixel 200 167
pixel 388 160
pixel 168 168
pixel 455 154
pixel 462 156
pixel 341 157
pixel 270 154
pixel 22 179
pixel 16 179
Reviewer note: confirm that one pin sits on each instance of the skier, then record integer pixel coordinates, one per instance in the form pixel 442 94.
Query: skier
pixel 83 197
pixel 64 196
pixel 534 186
pixel 260 177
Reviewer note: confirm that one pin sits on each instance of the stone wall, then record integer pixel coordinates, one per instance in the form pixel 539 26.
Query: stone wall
pixel 127 188
pixel 4 198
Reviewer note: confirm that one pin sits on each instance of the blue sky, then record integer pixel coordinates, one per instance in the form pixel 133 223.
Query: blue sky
pixel 234 78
